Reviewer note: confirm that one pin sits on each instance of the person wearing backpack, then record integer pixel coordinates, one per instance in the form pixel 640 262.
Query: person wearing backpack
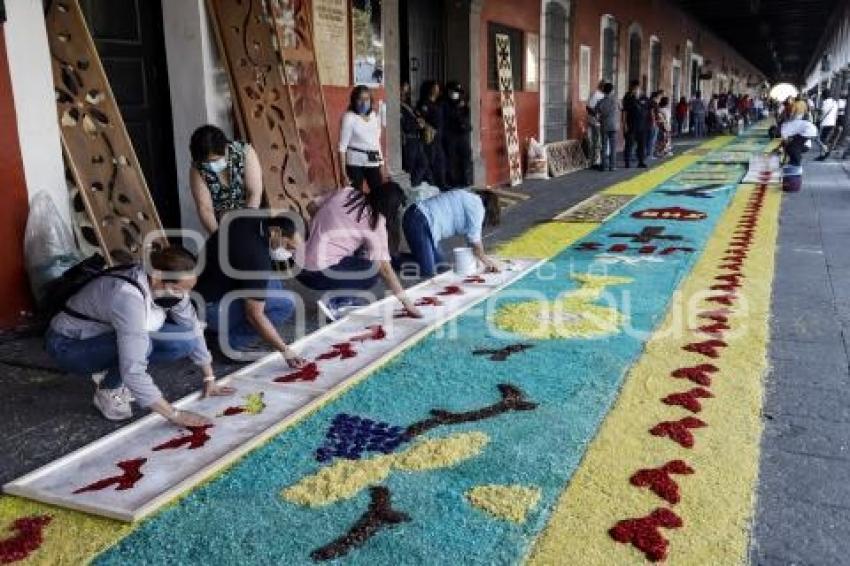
pixel 124 318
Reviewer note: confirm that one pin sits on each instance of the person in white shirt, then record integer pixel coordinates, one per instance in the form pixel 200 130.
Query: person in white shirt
pixel 360 142
pixel 828 118
pixel 594 128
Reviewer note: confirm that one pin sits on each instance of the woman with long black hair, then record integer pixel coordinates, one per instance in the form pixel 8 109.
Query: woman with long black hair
pixel 360 142
pixel 353 236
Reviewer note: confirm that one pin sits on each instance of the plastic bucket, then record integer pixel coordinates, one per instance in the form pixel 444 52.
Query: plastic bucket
pixel 465 263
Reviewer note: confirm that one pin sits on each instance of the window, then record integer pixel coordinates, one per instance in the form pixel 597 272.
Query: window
pixel 556 72
pixel 654 64
pixel 635 44
pixel 517 55
pixel 676 80
pixel 584 55
pixel 609 49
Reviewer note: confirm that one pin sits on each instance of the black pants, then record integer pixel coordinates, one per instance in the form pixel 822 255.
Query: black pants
pixel 372 175
pixel 635 138
pixel 437 161
pixel 458 149
pixel 414 161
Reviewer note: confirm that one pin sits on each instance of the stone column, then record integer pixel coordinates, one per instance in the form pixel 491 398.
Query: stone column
pixel 476 57
pixel 392 87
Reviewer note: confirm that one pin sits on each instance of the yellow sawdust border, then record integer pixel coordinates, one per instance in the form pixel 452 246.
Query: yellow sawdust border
pixel 717 501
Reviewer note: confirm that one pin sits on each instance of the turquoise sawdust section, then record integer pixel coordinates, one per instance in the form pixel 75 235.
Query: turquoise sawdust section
pixel 241 518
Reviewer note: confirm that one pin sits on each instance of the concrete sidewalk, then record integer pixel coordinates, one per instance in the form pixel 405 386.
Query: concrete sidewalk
pixel 803 514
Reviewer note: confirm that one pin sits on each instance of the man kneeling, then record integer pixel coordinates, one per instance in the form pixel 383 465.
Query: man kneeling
pixel 239 260
pixel 122 320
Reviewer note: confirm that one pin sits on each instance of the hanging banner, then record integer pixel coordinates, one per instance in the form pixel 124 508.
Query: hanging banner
pixel 506 88
pixel 330 31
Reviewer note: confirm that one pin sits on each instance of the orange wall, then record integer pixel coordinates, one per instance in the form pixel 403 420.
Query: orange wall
pixel 13 217
pixel 525 16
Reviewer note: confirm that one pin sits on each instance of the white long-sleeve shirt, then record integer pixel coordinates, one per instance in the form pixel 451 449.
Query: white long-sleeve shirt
pixel 356 132
pixel 132 317
pixel 829 112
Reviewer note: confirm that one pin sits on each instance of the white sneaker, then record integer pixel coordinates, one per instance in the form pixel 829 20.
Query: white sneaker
pixel 98 377
pixel 114 404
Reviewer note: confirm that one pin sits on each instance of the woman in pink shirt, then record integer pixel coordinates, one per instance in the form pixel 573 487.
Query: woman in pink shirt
pixel 349 246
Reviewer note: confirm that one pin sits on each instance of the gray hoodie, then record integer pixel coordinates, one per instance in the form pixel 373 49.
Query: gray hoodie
pixel 131 317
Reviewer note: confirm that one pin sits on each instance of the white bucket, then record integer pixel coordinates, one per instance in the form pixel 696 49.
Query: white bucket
pixel 465 263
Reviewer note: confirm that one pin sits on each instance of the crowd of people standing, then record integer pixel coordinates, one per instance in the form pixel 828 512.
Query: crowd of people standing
pixel 646 123
pixel 650 122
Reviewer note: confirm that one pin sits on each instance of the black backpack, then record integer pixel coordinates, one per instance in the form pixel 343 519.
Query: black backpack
pixel 61 289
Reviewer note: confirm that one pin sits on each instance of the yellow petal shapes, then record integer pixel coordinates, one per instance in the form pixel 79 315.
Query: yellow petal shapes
pixel 346 478
pixel 507 502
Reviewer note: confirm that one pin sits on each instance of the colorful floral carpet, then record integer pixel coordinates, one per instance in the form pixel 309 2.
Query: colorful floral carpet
pixel 602 410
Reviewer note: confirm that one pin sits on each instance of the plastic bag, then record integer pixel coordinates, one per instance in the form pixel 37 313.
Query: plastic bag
pixel 538 165
pixel 49 245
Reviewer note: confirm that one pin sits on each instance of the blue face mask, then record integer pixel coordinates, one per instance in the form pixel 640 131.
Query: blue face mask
pixel 363 107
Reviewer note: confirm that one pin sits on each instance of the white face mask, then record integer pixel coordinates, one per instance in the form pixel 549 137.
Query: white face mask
pixel 218 165
pixel 280 254
pixel 454 95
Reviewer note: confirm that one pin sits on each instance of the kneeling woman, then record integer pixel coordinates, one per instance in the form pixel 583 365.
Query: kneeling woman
pixel 349 245
pixel 453 213
pixel 121 321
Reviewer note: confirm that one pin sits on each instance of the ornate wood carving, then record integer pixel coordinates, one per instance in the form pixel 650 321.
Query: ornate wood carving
pixel 293 26
pixel 506 88
pixel 262 100
pixel 565 157
pixel 100 160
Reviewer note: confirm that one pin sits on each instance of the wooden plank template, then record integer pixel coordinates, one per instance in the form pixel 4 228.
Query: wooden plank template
pixel 127 481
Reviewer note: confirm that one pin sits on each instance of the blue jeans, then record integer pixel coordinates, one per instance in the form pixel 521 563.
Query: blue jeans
pixel 417 232
pixel 699 125
pixel 609 150
pixel 652 139
pixel 240 333
pixel 100 353
pixel 353 273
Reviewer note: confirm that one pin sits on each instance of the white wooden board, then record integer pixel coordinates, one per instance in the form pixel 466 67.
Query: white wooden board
pixel 167 473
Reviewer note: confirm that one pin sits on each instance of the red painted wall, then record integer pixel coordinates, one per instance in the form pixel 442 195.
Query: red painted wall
pixel 523 15
pixel 656 17
pixel 13 216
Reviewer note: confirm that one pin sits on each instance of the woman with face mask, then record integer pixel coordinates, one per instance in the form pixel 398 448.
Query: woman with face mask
pixel 360 142
pixel 125 318
pixel 457 140
pixel 225 175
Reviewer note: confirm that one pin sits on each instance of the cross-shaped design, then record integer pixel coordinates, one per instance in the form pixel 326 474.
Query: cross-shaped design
pixel 647 235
